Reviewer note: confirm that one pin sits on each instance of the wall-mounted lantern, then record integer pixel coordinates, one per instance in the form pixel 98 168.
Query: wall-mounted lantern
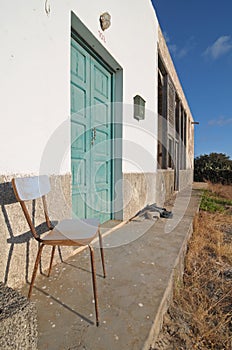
pixel 105 20
pixel 139 108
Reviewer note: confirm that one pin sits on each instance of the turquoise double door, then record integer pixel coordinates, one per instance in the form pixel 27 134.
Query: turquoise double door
pixel 91 135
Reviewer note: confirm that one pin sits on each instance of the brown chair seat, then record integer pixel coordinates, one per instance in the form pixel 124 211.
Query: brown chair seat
pixel 80 232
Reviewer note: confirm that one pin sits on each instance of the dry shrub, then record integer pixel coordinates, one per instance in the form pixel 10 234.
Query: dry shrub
pixel 200 316
pixel 207 292
pixel 224 191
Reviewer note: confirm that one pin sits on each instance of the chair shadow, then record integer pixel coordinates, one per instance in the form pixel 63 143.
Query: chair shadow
pixel 82 269
pixel 64 305
pixel 7 197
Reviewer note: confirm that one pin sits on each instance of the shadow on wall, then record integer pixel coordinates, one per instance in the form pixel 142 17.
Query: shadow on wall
pixel 7 197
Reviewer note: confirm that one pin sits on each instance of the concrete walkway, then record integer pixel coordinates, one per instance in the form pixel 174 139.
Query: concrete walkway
pixel 143 258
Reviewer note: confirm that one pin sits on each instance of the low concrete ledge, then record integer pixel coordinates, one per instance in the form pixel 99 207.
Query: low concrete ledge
pixel 144 259
pixel 176 275
pixel 18 321
pixel 177 271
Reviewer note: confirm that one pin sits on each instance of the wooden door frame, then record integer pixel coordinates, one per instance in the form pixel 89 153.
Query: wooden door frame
pixel 90 43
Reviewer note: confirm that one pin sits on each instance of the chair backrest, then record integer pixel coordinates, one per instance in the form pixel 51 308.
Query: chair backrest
pixel 28 188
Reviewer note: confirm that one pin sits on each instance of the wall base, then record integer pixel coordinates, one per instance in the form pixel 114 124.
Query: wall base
pixel 18 247
pixel 138 191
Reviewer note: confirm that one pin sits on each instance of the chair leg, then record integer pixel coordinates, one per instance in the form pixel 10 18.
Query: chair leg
pixel 102 254
pixel 35 269
pixel 94 283
pixel 51 261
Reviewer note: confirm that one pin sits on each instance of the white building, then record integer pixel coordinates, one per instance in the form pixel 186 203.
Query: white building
pixel 81 103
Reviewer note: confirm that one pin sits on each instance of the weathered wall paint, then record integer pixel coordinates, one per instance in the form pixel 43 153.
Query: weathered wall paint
pixel 173 74
pixel 35 74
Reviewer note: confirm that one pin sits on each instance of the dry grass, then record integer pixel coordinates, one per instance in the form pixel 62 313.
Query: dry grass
pixel 224 191
pixel 200 316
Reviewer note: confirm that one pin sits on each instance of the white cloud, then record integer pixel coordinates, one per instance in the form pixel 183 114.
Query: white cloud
pixel 173 48
pixel 183 52
pixel 221 121
pixel 166 37
pixel 220 47
pixel 179 52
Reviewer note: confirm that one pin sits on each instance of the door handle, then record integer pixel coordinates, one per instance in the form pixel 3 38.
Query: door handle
pixel 94 133
pixel 93 136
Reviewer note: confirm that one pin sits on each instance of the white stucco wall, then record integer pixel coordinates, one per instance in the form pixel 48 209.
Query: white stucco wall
pixel 35 78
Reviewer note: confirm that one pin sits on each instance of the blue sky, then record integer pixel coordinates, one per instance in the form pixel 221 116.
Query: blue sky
pixel 199 36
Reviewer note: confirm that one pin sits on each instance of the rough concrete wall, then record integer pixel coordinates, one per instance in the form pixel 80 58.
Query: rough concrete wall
pixel 18 319
pixel 190 146
pixel 164 185
pixel 18 247
pixel 186 178
pixel 138 191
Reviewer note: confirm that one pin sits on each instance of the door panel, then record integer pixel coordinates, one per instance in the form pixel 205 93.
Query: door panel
pixel 101 157
pixel 91 132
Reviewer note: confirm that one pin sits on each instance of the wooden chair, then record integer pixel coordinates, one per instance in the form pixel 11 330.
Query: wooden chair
pixel 68 232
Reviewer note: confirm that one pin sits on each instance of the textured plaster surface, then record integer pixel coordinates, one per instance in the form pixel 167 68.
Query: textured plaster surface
pixel 164 185
pixel 138 191
pixel 18 247
pixel 186 178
